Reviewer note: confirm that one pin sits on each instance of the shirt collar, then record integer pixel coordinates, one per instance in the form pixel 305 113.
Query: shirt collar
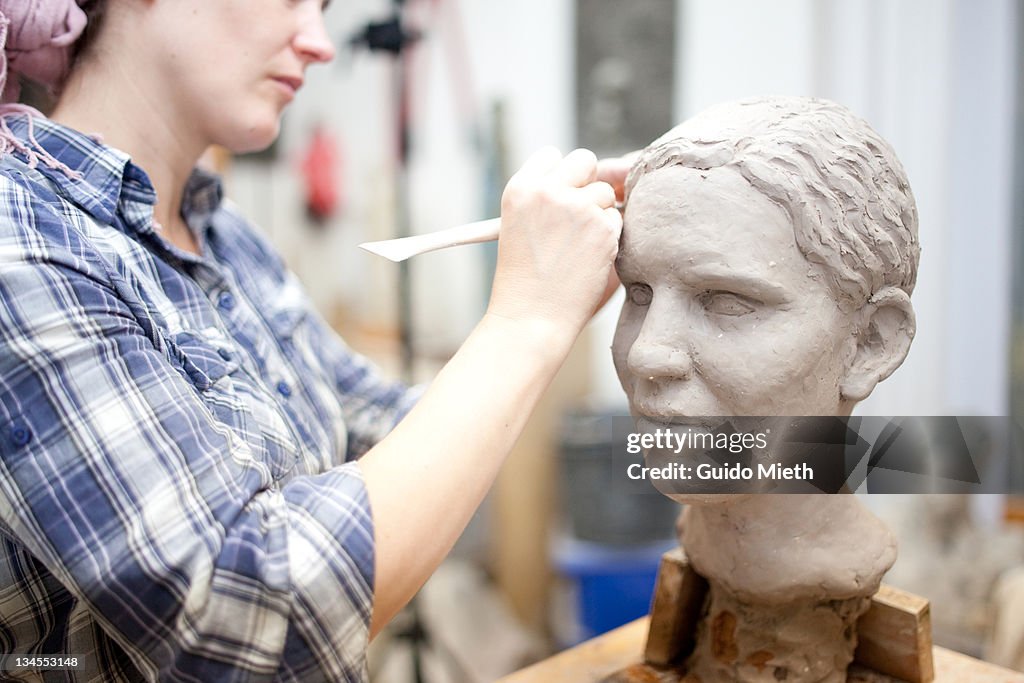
pixel 106 177
pixel 203 195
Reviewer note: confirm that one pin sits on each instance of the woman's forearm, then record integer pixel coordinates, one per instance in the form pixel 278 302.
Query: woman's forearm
pixel 426 479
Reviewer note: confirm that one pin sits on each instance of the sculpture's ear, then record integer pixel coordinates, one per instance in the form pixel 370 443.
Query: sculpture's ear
pixel 886 329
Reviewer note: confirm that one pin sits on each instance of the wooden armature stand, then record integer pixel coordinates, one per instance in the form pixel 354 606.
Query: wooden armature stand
pixel 894 636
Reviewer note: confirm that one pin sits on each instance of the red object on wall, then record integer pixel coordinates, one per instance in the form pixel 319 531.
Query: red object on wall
pixel 321 171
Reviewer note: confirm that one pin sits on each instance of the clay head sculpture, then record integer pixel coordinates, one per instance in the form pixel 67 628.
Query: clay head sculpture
pixel 768 253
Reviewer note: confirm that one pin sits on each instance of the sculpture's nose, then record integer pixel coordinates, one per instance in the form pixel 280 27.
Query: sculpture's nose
pixel 659 351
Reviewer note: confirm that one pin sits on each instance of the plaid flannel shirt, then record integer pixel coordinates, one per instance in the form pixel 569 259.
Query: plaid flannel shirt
pixel 178 499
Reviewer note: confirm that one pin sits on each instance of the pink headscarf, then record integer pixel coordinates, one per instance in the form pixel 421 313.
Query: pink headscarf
pixel 35 40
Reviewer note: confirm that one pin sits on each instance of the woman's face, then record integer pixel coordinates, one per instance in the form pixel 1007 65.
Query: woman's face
pixel 723 315
pixel 232 66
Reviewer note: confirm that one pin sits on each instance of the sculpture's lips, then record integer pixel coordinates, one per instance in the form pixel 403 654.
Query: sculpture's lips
pixel 655 419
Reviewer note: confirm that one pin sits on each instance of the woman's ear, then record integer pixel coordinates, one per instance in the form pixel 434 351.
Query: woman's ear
pixel 885 332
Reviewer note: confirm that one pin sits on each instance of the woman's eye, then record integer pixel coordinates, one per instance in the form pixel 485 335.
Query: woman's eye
pixel 727 303
pixel 639 295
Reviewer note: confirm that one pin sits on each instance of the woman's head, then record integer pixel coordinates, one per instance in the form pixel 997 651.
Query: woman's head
pixel 230 66
pixel 222 70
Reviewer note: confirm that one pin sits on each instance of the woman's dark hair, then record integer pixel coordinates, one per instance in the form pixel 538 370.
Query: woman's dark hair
pixel 94 11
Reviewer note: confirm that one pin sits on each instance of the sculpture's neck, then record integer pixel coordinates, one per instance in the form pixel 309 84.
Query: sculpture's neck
pixel 773 549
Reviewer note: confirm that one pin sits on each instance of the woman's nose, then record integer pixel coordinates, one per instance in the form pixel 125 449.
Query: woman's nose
pixel 312 41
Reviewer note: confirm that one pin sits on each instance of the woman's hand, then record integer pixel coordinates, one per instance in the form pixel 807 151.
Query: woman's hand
pixel 559 237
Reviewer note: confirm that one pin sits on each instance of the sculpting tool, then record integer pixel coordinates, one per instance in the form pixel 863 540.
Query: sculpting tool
pixel 400 249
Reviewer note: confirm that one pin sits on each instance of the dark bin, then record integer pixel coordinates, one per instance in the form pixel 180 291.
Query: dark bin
pixel 599 501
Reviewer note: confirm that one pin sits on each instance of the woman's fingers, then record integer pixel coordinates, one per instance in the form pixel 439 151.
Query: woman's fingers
pixel 614 219
pixel 578 168
pixel 540 163
pixel 599 193
pixel 614 171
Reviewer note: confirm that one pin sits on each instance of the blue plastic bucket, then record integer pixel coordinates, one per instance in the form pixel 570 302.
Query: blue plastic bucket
pixel 613 584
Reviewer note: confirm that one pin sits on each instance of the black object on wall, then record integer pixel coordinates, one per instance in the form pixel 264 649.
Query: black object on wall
pixel 625 56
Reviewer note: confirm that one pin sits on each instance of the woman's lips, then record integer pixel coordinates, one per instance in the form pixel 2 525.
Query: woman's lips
pixel 289 84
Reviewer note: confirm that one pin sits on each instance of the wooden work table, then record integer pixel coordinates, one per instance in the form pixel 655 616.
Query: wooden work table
pixel 619 649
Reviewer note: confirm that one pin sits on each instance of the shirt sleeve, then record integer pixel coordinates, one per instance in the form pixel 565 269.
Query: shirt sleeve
pixel 117 475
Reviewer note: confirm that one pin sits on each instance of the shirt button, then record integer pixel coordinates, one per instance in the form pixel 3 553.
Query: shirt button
pixel 225 354
pixel 284 389
pixel 21 435
pixel 226 301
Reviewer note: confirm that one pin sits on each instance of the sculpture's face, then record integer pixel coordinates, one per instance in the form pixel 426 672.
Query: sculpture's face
pixel 723 314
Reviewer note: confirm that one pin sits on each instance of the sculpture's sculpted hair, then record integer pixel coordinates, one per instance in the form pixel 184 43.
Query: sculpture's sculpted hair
pixel 845 191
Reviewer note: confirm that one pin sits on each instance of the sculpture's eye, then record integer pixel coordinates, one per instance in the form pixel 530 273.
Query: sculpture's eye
pixel 640 295
pixel 726 303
